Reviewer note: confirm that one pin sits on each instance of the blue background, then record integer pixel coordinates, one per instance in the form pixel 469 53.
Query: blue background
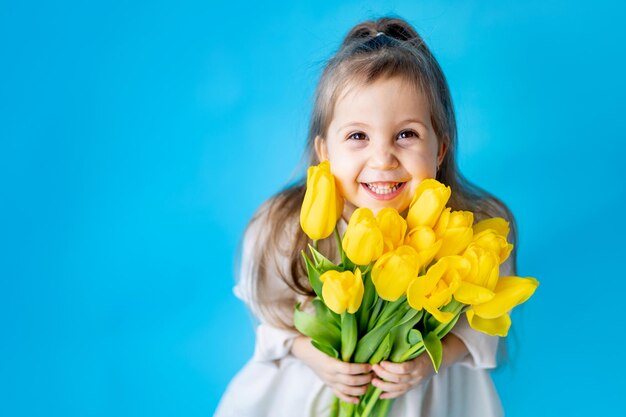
pixel 137 139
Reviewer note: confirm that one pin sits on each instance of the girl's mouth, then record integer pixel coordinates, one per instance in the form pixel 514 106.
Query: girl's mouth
pixel 383 190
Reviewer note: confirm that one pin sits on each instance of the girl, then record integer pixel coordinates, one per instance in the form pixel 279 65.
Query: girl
pixel 383 117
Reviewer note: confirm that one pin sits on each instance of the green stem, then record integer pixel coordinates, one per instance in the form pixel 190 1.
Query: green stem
pixel 334 408
pixel 373 317
pixel 384 407
pixel 389 309
pixel 342 254
pixel 419 347
pixel 346 409
pixel 371 402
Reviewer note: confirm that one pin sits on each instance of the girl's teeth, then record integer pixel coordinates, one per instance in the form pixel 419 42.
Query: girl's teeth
pixel 386 189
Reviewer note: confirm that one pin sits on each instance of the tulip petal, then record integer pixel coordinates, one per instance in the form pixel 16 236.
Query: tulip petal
pixel 494 327
pixel 441 316
pixel 471 294
pixel 498 224
pixel 509 292
pixel 393 272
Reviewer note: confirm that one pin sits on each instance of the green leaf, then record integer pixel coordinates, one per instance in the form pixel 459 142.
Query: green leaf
pixel 414 337
pixel 322 263
pixel 374 313
pixel 400 334
pixel 432 343
pixel 348 335
pixel 329 350
pixel 324 313
pixel 369 298
pixel 383 350
pixel 391 307
pixel 366 347
pixel 322 331
pixel 415 354
pixel 314 276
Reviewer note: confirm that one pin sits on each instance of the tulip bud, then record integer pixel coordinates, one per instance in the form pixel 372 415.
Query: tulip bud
pixel 392 226
pixel 454 229
pixel 424 241
pixel 322 203
pixel 498 224
pixel 393 272
pixel 477 287
pixel 342 290
pixel 491 240
pixel 428 202
pixel 363 240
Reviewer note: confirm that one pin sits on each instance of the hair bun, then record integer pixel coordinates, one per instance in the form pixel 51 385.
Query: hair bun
pixel 393 27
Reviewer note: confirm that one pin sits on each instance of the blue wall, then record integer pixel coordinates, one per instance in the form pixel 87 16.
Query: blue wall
pixel 136 140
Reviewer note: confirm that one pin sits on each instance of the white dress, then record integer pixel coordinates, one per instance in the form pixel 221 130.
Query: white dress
pixel 274 383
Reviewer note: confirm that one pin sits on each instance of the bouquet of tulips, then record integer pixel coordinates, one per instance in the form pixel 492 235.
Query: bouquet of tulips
pixel 401 284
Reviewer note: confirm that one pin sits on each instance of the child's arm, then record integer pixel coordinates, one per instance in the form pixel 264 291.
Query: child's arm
pixel 347 380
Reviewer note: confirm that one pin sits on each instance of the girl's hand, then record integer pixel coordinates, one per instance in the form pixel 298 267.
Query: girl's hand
pixel 347 380
pixel 397 378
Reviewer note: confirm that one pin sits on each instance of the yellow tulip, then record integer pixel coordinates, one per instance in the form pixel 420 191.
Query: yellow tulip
pixel 393 272
pixel 428 202
pixel 498 224
pixel 392 226
pixel 322 204
pixel 425 243
pixel 435 289
pixel 492 317
pixel 363 241
pixel 342 290
pixel 491 240
pixel 454 229
pixel 477 287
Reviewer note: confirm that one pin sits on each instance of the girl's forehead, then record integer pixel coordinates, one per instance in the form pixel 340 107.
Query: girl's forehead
pixel 354 88
pixel 397 89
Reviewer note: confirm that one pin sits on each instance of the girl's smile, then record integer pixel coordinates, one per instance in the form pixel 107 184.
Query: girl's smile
pixel 380 144
pixel 384 190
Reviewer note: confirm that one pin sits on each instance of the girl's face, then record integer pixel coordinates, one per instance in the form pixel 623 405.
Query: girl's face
pixel 380 144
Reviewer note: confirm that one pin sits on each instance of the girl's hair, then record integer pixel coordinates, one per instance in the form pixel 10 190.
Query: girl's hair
pixel 372 50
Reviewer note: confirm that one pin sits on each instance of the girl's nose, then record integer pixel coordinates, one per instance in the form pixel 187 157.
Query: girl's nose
pixel 382 157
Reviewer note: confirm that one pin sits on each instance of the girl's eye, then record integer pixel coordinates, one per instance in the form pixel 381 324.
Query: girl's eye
pixel 357 136
pixel 406 134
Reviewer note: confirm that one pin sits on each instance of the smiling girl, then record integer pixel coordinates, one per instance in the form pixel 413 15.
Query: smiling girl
pixel 383 117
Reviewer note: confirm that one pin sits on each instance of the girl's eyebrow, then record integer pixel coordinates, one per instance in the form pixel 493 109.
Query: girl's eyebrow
pixel 363 124
pixel 413 121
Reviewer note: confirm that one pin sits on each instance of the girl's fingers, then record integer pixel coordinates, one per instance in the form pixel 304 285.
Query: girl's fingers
pixel 390 395
pixel 391 376
pixel 348 390
pixel 391 387
pixel 398 368
pixel 353 368
pixel 354 380
pixel 346 398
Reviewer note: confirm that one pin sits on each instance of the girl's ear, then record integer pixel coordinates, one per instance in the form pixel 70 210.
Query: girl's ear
pixel 442 152
pixel 321 148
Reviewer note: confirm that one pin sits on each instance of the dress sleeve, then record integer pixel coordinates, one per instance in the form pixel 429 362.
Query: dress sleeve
pixel 482 347
pixel 272 342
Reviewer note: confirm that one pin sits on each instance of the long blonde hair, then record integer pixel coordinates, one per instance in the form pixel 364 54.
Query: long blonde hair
pixel 372 50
